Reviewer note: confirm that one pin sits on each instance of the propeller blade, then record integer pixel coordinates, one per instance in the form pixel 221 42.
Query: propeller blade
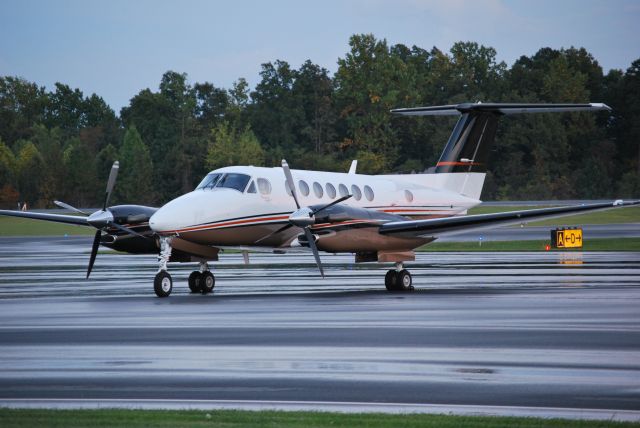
pixel 282 229
pixel 290 183
pixel 337 201
pixel 111 183
pixel 94 251
pixel 314 249
pixel 70 208
pixel 129 231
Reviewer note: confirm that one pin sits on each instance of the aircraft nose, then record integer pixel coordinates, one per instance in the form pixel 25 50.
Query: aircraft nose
pixel 185 211
pixel 161 222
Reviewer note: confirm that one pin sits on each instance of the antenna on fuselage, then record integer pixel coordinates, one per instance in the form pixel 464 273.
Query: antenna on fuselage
pixel 354 165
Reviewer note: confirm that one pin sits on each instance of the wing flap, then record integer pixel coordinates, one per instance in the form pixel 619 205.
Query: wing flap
pixel 460 224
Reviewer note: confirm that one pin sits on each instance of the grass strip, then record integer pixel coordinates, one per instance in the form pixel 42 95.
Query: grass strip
pixel 15 226
pixel 599 244
pixel 616 215
pixel 237 418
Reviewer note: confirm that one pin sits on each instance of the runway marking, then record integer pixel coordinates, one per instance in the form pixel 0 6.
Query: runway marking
pixel 332 406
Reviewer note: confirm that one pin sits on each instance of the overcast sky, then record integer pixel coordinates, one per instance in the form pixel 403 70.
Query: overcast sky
pixel 115 48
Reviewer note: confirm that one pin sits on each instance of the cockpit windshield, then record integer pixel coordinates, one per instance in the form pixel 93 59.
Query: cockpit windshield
pixel 228 181
pixel 234 181
pixel 210 181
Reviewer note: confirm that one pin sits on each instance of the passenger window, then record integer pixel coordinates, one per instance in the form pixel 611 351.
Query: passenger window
pixel 368 193
pixel 264 186
pixel 252 188
pixel 234 181
pixel 343 190
pixel 331 191
pixel 317 189
pixel 304 187
pixel 355 190
pixel 408 196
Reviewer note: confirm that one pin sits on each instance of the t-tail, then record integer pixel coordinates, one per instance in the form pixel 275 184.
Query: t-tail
pixel 465 156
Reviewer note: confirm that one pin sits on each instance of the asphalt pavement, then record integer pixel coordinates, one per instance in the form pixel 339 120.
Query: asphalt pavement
pixel 544 334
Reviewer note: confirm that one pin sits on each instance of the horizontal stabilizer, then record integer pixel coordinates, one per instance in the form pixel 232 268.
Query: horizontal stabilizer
pixel 497 108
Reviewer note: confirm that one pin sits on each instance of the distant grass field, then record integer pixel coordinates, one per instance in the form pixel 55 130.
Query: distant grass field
pixel 13 226
pixel 606 244
pixel 618 215
pixel 10 418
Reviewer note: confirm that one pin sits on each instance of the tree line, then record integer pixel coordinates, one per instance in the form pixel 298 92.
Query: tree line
pixel 60 144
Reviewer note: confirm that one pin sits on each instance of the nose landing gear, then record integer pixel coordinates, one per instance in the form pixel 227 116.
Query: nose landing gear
pixel 200 281
pixel 163 284
pixel 398 279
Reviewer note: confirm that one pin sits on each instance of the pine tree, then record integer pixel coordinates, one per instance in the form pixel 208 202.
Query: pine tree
pixel 134 185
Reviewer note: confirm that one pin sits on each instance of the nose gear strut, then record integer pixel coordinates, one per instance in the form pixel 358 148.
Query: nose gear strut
pixel 163 283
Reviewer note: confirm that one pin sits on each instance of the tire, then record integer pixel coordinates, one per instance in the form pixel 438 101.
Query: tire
pixel 195 282
pixel 163 284
pixel 390 280
pixel 404 281
pixel 207 282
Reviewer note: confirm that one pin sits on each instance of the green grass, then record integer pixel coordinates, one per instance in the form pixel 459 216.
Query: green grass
pixel 14 226
pixel 234 418
pixel 616 215
pixel 604 244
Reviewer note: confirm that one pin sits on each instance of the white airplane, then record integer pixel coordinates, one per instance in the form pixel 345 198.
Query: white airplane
pixel 378 218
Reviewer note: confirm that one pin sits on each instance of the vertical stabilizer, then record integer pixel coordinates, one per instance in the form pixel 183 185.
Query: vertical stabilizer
pixel 464 159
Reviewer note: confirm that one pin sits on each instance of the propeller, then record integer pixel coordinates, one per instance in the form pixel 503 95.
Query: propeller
pixel 111 182
pixel 311 214
pixel 70 208
pixel 304 217
pixel 103 218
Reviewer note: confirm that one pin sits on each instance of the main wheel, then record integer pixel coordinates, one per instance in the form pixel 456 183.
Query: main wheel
pixel 404 281
pixel 207 282
pixel 195 282
pixel 163 284
pixel 390 280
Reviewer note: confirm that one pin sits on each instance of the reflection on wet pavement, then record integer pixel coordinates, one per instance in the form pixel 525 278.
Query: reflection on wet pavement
pixel 503 329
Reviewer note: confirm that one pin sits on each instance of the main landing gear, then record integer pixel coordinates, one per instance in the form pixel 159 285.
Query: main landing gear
pixel 200 281
pixel 398 279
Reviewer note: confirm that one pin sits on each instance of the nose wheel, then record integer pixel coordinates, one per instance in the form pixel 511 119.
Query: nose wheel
pixel 163 284
pixel 398 279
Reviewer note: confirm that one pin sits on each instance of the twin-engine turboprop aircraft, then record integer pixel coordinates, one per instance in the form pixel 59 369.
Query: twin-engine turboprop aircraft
pixel 378 218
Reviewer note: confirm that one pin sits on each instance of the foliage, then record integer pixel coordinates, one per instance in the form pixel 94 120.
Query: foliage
pixel 229 146
pixel 61 143
pixel 135 185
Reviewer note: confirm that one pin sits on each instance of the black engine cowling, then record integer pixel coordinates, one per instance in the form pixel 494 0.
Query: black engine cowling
pixel 135 217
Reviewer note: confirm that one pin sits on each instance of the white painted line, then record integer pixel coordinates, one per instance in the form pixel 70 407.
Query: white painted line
pixel 326 406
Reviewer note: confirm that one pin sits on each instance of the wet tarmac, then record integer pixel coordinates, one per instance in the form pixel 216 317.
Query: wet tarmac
pixel 539 331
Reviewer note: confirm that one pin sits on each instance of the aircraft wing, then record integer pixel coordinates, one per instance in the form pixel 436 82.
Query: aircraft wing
pixel 60 218
pixel 460 224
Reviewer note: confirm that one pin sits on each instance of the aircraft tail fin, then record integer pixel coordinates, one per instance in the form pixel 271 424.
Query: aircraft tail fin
pixel 470 142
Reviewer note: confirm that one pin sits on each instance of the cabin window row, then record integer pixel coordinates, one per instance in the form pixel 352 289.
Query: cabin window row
pixel 239 182
pixel 330 190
